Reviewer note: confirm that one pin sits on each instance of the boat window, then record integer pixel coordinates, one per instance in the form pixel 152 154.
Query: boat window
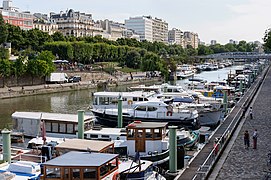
pixel 148 134
pixel 176 90
pixel 145 99
pixel 75 173
pixel 134 98
pixel 55 127
pixel 114 100
pixel 169 90
pixel 105 136
pixel 66 174
pixel 150 108
pixel 140 99
pixel 139 133
pixel 140 108
pixel 48 126
pixel 124 99
pixel 104 100
pixel 62 128
pixel 89 173
pixel 93 136
pixel 157 133
pixel 70 128
pixel 95 101
pixel 53 173
pixel 131 133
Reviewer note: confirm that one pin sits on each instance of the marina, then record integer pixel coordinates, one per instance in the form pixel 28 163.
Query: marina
pixel 199 149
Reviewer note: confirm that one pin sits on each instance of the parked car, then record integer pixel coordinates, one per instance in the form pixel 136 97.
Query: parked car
pixel 74 79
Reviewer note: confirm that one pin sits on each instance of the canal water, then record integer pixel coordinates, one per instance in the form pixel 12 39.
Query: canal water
pixel 70 102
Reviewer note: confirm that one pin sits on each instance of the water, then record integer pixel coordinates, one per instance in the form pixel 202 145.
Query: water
pixel 70 102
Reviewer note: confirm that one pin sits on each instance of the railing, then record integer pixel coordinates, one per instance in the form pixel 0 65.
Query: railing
pixel 219 145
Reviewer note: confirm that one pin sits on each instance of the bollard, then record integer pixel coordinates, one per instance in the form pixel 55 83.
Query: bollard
pixel 172 149
pixel 120 111
pixel 6 145
pixel 81 124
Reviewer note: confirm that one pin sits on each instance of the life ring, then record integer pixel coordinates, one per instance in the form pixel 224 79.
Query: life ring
pixel 116 176
pixel 169 113
pixel 130 102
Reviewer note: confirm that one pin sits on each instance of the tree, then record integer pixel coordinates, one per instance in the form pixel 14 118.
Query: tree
pixel 133 59
pixel 267 40
pixel 4 54
pixel 15 37
pixel 58 36
pixel 5 68
pixel 48 57
pixel 3 30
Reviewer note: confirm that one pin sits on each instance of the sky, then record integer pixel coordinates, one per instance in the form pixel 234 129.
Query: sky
pixel 219 20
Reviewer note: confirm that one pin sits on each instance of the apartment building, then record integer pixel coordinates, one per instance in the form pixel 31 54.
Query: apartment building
pixel 13 16
pixel 213 42
pixel 113 29
pixel 141 26
pixel 73 23
pixel 191 39
pixel 43 23
pixel 148 28
pixel 175 36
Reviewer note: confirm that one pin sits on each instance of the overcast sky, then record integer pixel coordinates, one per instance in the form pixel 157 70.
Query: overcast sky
pixel 219 20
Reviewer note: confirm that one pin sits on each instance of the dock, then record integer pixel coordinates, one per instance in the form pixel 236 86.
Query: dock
pixel 203 164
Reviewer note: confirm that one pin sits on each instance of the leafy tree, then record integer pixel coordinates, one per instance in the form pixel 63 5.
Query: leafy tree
pixel 19 67
pixel 3 30
pixel 4 54
pixel 5 68
pixel 133 59
pixel 58 36
pixel 48 57
pixel 15 36
pixel 267 40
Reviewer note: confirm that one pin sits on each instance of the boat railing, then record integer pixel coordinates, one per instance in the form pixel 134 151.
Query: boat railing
pixel 220 142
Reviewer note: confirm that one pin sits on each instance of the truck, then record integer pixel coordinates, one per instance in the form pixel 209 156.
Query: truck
pixel 57 78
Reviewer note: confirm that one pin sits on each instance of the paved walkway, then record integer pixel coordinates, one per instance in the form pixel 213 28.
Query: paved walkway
pixel 249 163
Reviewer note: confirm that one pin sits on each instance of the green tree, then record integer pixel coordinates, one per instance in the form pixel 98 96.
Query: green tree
pixel 58 36
pixel 133 59
pixel 3 30
pixel 5 69
pixel 48 57
pixel 267 41
pixel 15 37
pixel 4 54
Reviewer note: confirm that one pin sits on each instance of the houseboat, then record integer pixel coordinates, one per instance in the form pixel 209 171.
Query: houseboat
pixel 56 125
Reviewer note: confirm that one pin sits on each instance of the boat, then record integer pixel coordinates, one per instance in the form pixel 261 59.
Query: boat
pixel 120 137
pixel 149 111
pixel 57 125
pixel 102 166
pixel 184 71
pixel 20 170
pixel 110 99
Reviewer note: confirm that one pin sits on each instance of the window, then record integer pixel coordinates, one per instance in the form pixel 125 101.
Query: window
pixel 140 108
pixel 134 98
pixel 75 174
pixel 150 108
pixel 89 173
pixel 53 173
pixel 70 128
pixel 62 128
pixel 48 126
pixel 55 127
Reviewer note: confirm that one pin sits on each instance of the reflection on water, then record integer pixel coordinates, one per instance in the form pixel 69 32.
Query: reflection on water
pixel 70 102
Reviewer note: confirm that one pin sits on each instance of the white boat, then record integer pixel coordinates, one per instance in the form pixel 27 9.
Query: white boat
pixel 57 125
pixel 120 136
pixel 149 111
pixel 22 170
pixel 184 71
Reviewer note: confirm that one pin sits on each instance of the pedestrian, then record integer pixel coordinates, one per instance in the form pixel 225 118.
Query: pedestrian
pixel 255 136
pixel 246 139
pixel 250 113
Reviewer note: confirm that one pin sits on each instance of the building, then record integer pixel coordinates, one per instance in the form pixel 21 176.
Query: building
pixel 148 28
pixel 159 30
pixel 43 23
pixel 12 16
pixel 213 42
pixel 128 33
pixel 142 26
pixel 73 23
pixel 175 36
pixel 113 29
pixel 231 41
pixel 191 39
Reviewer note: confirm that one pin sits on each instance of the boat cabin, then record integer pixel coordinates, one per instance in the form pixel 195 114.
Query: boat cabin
pixel 110 99
pixel 84 145
pixel 81 166
pixel 146 137
pixel 57 125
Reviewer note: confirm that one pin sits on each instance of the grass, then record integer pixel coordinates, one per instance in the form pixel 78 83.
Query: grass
pixel 127 70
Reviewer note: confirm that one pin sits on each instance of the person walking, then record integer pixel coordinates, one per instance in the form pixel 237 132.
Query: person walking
pixel 255 136
pixel 250 113
pixel 246 139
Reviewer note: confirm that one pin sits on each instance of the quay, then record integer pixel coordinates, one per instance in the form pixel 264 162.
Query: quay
pixel 240 160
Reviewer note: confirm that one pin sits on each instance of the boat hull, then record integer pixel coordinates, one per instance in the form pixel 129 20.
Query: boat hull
pixel 112 120
pixel 210 118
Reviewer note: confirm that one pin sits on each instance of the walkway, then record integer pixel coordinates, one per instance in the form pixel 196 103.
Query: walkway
pixel 244 163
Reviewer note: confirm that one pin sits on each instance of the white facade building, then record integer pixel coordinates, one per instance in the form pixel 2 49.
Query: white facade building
pixel 141 26
pixel 175 36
